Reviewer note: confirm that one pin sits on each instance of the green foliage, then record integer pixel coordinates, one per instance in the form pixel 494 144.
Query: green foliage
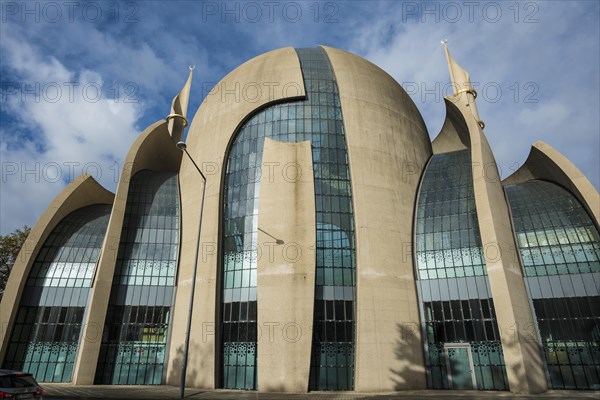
pixel 10 245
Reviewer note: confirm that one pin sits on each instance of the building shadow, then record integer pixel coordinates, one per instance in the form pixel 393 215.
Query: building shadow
pixel 409 372
pixel 196 382
pixel 531 350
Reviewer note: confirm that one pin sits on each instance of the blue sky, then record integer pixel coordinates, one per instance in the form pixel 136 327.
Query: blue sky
pixel 80 80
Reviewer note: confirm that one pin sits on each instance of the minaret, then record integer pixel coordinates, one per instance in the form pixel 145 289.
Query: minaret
pixel 176 118
pixel 461 82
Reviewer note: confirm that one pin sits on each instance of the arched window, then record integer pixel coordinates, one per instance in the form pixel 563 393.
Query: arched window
pixel 317 119
pixel 456 301
pixel 134 341
pixel 47 327
pixel 560 249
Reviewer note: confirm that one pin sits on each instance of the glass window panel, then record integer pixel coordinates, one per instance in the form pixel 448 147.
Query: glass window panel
pixel 565 336
pixel 40 337
pixel 315 117
pixel 141 329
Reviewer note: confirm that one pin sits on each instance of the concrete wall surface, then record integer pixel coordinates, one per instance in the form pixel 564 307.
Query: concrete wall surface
pixel 521 348
pixel 266 79
pixel 286 268
pixel 388 147
pixel 544 162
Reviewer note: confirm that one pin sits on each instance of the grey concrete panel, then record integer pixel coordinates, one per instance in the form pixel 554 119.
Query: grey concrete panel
pixel 153 149
pixel 213 128
pixel 286 286
pixel 524 364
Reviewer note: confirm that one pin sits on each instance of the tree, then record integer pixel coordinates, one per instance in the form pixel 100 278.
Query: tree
pixel 10 245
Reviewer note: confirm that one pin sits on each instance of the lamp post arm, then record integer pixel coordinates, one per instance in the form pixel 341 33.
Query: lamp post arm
pixel 195 165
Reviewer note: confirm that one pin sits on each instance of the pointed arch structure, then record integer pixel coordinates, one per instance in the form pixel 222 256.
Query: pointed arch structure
pixel 339 249
pixel 81 194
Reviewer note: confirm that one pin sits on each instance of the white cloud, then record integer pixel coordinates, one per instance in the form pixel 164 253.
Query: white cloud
pixel 558 54
pixel 76 129
pixel 547 70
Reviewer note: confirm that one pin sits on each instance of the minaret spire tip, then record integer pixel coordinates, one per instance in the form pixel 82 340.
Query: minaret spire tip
pixel 176 119
pixel 461 82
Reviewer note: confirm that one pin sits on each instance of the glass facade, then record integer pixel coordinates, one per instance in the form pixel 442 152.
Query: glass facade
pixel 560 250
pixel 317 119
pixel 134 340
pixel 47 326
pixel 456 302
pixel 558 241
pixel 447 232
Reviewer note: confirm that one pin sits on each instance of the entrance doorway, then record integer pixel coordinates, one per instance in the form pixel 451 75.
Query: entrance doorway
pixel 459 362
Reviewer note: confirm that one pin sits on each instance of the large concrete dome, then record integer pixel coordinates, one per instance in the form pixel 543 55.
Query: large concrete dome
pixel 312 238
pixel 276 76
pixel 384 143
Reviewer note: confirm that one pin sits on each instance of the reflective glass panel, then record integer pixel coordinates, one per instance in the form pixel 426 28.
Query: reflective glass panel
pixel 317 119
pixel 560 250
pixel 136 331
pixel 451 272
pixel 47 326
pixel 459 360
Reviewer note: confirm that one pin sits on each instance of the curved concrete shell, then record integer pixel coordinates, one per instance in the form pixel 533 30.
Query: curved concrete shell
pixel 550 176
pixel 388 146
pixel 82 192
pixel 344 304
pixel 544 162
pixel 153 150
pixel 269 78
pixel 454 133
pixel 524 365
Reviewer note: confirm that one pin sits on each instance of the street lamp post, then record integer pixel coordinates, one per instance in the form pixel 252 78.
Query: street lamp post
pixel 183 147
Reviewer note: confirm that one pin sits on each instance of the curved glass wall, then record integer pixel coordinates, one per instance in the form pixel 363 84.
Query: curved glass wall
pixel 47 326
pixel 560 249
pixel 319 120
pixel 134 341
pixel 463 349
